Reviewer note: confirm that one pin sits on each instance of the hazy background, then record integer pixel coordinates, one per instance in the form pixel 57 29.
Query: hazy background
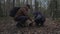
pixel 49 8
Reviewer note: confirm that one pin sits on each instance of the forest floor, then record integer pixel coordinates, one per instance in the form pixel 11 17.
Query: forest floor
pixel 8 26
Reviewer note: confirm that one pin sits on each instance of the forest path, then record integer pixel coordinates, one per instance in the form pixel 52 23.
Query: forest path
pixel 8 26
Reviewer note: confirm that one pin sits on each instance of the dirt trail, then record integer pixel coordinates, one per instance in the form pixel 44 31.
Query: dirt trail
pixel 7 26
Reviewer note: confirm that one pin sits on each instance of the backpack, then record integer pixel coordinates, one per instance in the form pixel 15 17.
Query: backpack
pixel 14 11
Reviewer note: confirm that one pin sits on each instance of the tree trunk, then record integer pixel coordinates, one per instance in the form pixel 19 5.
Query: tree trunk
pixel 1 12
pixel 4 12
pixel 36 5
pixel 13 3
pixel 7 7
pixel 26 1
pixel 17 2
pixel 53 8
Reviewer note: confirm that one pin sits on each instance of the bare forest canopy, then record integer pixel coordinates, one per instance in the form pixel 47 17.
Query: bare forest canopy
pixel 50 8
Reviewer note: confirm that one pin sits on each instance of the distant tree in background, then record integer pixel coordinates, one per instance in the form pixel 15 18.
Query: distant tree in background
pixel 53 8
pixel 1 12
pixel 52 11
pixel 36 5
pixel 13 3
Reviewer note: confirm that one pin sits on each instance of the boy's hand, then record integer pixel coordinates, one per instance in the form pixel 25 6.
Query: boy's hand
pixel 33 21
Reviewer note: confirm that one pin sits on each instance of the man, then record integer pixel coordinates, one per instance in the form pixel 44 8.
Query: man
pixel 22 15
